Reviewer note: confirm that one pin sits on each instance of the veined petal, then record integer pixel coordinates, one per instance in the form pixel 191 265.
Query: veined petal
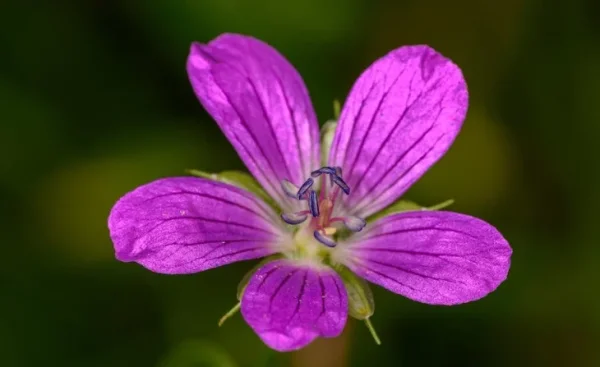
pixel 185 225
pixel 261 104
pixel 441 258
pixel 401 116
pixel 289 305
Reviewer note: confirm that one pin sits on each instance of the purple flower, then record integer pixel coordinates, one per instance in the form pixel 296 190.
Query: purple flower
pixel 401 116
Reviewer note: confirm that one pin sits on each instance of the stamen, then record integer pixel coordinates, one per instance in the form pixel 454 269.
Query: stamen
pixel 355 224
pixel 289 189
pixel 320 171
pixel 304 188
pixel 341 183
pixel 321 237
pixel 321 209
pixel 294 218
pixel 313 203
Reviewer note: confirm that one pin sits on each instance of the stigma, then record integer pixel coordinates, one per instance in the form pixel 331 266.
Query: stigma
pixel 321 204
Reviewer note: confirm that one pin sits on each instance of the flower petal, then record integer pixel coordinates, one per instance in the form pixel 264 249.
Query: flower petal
pixel 185 225
pixel 289 305
pixel 434 257
pixel 401 116
pixel 261 104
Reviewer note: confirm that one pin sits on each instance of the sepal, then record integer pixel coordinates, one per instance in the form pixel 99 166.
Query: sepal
pixel 327 134
pixel 407 206
pixel 361 304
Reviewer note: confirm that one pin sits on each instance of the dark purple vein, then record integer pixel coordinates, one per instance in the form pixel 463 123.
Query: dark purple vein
pixel 267 275
pixel 230 254
pixel 268 178
pixel 322 287
pixel 337 288
pixel 417 229
pixel 372 121
pixel 354 122
pixel 361 206
pixel 391 279
pixel 264 215
pixel 424 276
pixel 267 118
pixel 302 288
pixel 283 282
pixel 181 246
pixel 293 123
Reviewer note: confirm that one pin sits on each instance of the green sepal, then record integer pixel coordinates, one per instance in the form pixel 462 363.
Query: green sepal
pixel 361 304
pixel 442 205
pixel 235 309
pixel 337 109
pixel 237 178
pixel 327 134
pixel 372 331
pixel 244 282
pixel 406 206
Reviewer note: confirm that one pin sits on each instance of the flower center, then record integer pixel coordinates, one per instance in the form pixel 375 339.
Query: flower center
pixel 321 205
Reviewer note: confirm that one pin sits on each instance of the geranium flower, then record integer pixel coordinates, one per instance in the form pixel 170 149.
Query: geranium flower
pixel 400 117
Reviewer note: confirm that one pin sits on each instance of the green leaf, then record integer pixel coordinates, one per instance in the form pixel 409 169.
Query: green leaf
pixel 237 178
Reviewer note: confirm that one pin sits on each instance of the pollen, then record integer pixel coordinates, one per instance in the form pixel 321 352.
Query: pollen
pixel 330 231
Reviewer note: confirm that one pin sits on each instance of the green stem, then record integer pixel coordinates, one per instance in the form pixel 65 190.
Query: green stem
pixel 373 332
pixel 231 312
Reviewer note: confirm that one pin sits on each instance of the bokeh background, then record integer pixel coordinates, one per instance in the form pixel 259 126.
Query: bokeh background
pixel 94 101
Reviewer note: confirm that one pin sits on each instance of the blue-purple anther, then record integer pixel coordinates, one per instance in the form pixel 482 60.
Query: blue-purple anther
pixel 304 188
pixel 324 239
pixel 341 183
pixel 313 204
pixel 320 171
pixel 320 206
pixel 294 218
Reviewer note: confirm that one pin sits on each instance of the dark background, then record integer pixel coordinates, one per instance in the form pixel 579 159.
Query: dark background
pixel 94 101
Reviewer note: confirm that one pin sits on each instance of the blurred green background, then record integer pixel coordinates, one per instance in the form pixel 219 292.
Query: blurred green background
pixel 94 101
